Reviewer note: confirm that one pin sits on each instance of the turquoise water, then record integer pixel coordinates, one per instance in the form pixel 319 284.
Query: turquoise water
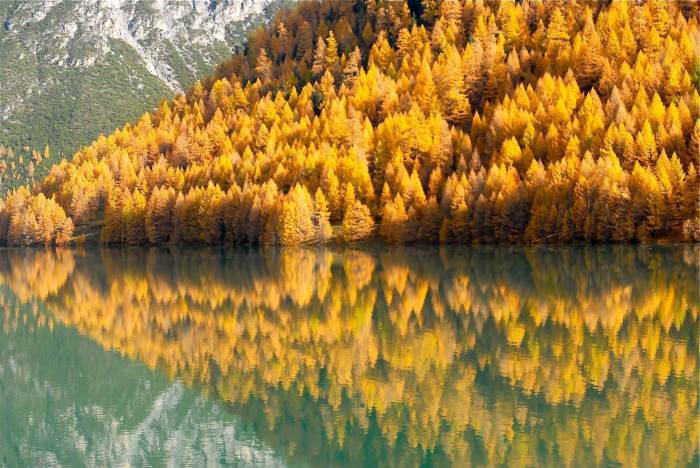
pixel 376 356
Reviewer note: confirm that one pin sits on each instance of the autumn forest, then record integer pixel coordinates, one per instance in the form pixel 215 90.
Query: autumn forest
pixel 455 121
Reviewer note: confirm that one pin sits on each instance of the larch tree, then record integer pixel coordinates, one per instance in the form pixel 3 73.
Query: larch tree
pixel 321 217
pixel 358 223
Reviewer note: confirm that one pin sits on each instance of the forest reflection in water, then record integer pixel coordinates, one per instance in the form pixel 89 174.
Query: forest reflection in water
pixel 381 356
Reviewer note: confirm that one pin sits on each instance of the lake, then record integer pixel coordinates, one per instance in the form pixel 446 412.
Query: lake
pixel 372 356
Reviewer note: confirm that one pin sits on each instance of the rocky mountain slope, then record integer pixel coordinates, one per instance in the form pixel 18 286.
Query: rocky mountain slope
pixel 61 61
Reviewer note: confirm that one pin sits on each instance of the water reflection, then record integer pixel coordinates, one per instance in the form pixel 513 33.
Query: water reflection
pixel 67 402
pixel 576 355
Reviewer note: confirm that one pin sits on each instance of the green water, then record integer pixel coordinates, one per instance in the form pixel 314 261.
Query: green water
pixel 376 356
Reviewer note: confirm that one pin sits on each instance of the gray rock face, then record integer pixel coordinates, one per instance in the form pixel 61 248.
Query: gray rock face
pixel 72 33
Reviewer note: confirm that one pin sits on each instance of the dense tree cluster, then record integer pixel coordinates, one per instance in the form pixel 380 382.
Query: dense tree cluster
pixel 397 356
pixel 451 121
pixel 22 167
pixel 28 220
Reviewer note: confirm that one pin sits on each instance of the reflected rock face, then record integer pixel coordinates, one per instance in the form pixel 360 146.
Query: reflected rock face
pixel 441 355
pixel 66 402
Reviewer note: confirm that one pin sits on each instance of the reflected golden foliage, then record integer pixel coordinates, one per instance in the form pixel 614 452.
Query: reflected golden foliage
pixel 517 356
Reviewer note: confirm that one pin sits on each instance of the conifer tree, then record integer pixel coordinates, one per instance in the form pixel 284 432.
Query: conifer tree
pixel 159 215
pixel 136 218
pixel 319 63
pixel 330 58
pixel 295 220
pixel 394 226
pixel 357 223
pixel 263 66
pixel 589 64
pixel 321 219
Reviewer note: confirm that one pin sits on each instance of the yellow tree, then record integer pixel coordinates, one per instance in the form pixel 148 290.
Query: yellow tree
pixel 319 63
pixel 296 224
pixel 394 223
pixel 159 215
pixel 330 58
pixel 136 218
pixel 646 145
pixel 263 66
pixel 588 65
pixel 321 217
pixel 357 223
pixel 557 38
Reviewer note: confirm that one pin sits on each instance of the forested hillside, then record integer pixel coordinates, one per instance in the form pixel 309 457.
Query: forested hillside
pixel 61 61
pixel 450 121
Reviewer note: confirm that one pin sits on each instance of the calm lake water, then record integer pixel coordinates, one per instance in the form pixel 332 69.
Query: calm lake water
pixel 420 356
